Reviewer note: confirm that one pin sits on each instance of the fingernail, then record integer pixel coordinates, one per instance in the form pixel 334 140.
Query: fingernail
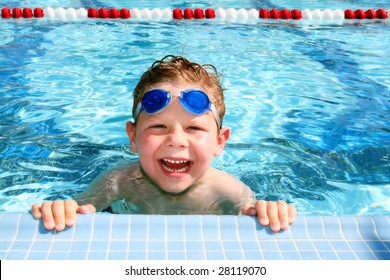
pixel 264 221
pixel 276 227
pixel 60 227
pixel 69 222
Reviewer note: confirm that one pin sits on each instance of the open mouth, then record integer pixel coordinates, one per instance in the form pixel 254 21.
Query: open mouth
pixel 175 166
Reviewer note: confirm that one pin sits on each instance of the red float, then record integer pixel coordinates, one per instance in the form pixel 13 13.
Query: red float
pixel 349 14
pixel 198 13
pixel 188 13
pixel 274 14
pixel 360 14
pixel 114 13
pixel 296 14
pixel 93 13
pixel 125 13
pixel 210 13
pixel 177 13
pixel 27 13
pixel 6 12
pixel 370 14
pixel 104 13
pixel 381 13
pixel 38 13
pixel 17 13
pixel 264 13
pixel 285 14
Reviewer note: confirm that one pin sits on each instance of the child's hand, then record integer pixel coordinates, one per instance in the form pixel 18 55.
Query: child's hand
pixel 278 215
pixel 60 213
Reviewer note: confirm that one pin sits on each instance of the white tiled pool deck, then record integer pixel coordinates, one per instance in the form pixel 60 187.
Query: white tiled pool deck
pixel 156 237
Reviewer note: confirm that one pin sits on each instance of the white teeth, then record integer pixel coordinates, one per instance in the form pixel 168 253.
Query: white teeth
pixel 175 170
pixel 175 161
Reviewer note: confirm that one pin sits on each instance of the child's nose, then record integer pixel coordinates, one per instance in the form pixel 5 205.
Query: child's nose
pixel 177 138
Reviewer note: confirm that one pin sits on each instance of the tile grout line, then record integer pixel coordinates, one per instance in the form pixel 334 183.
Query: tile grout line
pixel 185 240
pixel 326 238
pixel 33 241
pixel 166 236
pixel 330 242
pixel 128 237
pixel 220 238
pixel 15 237
pixel 90 237
pixel 364 241
pixel 258 241
pixel 279 250
pixel 147 237
pixel 239 238
pixel 109 239
pixel 375 228
pixel 346 241
pixel 71 242
pixel 202 236
pixel 294 242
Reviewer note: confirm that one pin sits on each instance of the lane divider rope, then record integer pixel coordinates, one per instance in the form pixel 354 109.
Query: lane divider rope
pixel 178 14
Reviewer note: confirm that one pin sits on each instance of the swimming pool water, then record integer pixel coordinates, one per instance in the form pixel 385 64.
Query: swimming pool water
pixel 308 104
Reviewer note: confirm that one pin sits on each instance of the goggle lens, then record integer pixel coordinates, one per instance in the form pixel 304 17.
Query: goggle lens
pixel 193 100
pixel 155 100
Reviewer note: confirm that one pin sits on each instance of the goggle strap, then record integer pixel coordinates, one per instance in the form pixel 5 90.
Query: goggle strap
pixel 137 111
pixel 216 116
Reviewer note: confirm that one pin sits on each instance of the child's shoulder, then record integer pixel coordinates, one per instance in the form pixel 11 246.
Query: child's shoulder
pixel 132 169
pixel 222 178
pixel 120 173
pixel 228 186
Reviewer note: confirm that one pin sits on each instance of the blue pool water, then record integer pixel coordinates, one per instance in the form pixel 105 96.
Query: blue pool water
pixel 308 103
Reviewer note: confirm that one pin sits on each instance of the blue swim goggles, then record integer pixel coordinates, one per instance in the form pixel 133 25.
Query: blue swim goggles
pixel 194 101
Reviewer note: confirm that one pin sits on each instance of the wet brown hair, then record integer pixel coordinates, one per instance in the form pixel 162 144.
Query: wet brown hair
pixel 172 69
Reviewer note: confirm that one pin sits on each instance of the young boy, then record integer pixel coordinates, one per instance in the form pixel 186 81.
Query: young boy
pixel 177 130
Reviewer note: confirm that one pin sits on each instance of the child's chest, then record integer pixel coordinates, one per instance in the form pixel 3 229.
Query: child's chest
pixel 149 200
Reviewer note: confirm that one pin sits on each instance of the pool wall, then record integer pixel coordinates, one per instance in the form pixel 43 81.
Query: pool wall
pixel 104 236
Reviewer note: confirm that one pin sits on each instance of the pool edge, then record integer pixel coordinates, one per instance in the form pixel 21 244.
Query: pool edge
pixel 104 236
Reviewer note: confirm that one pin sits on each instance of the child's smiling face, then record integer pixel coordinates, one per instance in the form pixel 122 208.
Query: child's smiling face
pixel 175 147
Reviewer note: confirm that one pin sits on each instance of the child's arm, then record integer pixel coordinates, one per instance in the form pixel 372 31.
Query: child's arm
pixel 60 213
pixel 278 215
pixel 102 191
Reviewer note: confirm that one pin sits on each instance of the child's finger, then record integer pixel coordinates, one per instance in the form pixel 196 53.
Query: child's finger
pixel 47 215
pixel 292 213
pixel 58 209
pixel 283 214
pixel 273 216
pixel 261 207
pixel 36 210
pixel 71 207
pixel 86 209
pixel 249 210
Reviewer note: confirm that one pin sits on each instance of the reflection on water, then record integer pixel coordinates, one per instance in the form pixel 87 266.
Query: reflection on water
pixel 316 182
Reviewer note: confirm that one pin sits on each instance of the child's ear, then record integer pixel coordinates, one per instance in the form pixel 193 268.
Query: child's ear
pixel 130 130
pixel 224 134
